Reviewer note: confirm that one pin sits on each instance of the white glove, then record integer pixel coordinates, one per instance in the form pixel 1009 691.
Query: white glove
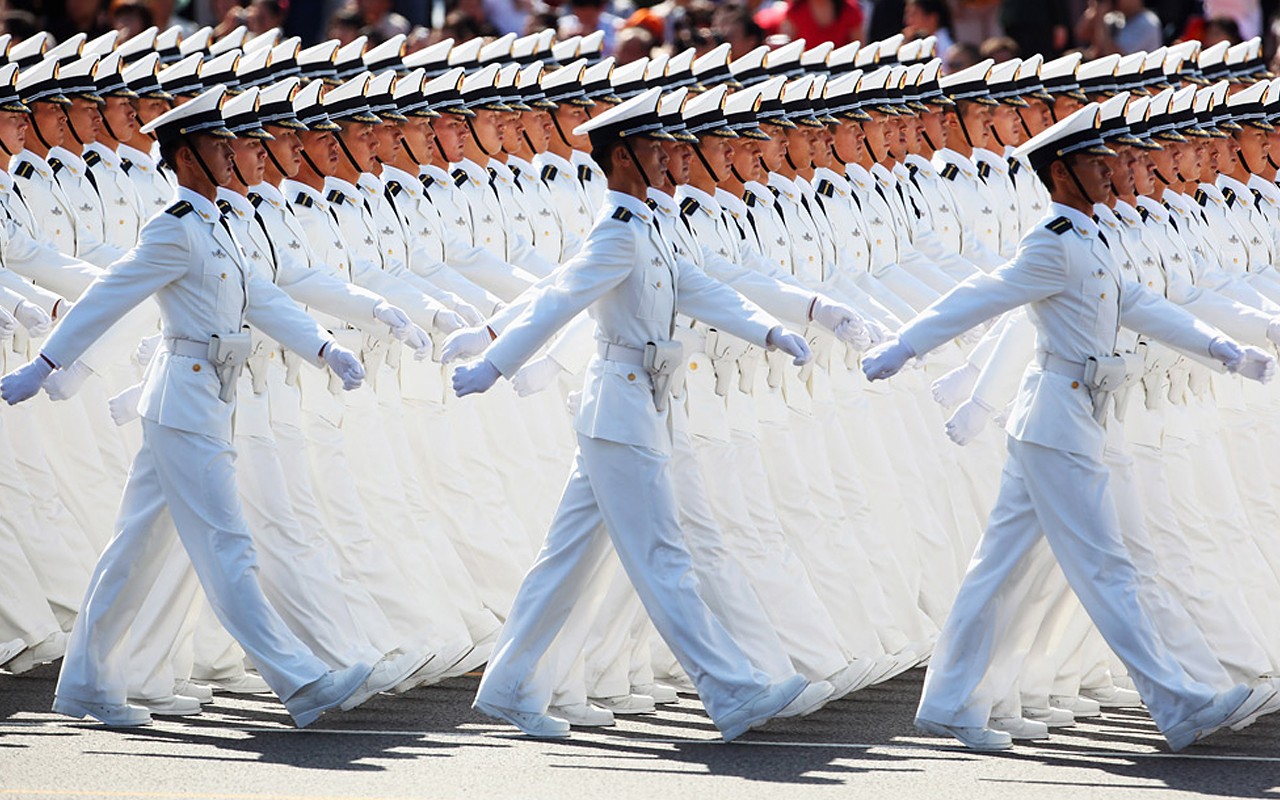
pixel 1273 330
pixel 465 343
pixel 124 406
pixel 951 389
pixel 8 325
pixel 63 384
pixel 391 316
pixel 345 365
pixel 841 320
pixel 474 378
pixel 969 420
pixel 878 333
pixel 147 350
pixel 413 337
pixel 792 344
pixel 33 318
pixel 23 383
pixel 535 376
pixel 1247 362
pixel 469 313
pixel 449 321
pixel 887 360
pixel 854 333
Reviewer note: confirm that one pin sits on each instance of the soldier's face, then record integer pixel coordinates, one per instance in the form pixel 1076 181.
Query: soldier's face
pixel 1007 125
pixel 1095 175
pixel 651 155
pixel 452 132
pixel 119 114
pixel 218 156
pixel 538 128
pixel 1064 106
pixel 388 136
pixel 798 147
pixel 746 160
pixel 977 120
pixel 286 149
pixel 13 130
pixel 251 159
pixel 86 116
pixel 149 108
pixel 934 127
pixel 874 134
pixel 52 121
pixel 322 148
pixel 1186 160
pixel 774 151
pixel 1254 145
pixel 362 142
pixel 488 126
pixel 1209 150
pixel 820 140
pixel 1144 180
pixel 571 116
pixel 679 160
pixel 1273 143
pixel 1036 115
pixel 1163 161
pixel 416 134
pixel 719 154
pixel 1122 177
pixel 848 141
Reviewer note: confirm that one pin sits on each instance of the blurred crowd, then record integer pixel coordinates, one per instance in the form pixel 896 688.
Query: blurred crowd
pixel 967 31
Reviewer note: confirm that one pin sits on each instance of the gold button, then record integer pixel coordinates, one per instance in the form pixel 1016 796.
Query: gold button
pixel 631 376
pixel 195 367
pixel 693 365
pixel 659 284
pixel 224 276
pixel 1151 283
pixel 1104 295
pixel 1075 384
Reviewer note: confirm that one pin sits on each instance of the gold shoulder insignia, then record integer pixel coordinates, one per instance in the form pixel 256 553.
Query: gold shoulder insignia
pixel 549 173
pixel 305 200
pixel 623 215
pixel 25 170
pixel 688 206
pixel 1060 225
pixel 180 208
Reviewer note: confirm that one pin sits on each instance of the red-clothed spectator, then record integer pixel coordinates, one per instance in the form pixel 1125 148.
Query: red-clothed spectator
pixel 838 21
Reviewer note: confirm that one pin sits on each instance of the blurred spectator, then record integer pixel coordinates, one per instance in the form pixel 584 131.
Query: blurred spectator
pixel 130 17
pixel 379 20
pixel 1118 26
pixel 976 20
pixel 344 25
pixel 1220 29
pixel 461 26
pixel 588 16
pixel 1247 14
pixel 886 19
pixel 19 24
pixel 923 18
pixel 689 36
pixel 509 16
pixel 633 44
pixel 999 49
pixel 70 17
pixel 540 22
pixel 1037 27
pixel 230 15
pixel 264 15
pixel 960 55
pixel 733 23
pixel 162 11
pixel 838 21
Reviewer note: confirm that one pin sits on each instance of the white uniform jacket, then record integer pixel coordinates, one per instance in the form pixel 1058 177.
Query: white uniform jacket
pixel 190 261
pixel 1078 300
pixel 632 283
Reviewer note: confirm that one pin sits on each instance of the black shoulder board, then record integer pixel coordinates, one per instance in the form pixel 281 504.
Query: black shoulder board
pixel 651 203
pixel 688 206
pixel 1060 225
pixel 180 209
pixel 493 174
pixel 950 172
pixel 1257 196
pixel 1144 213
pixel 256 199
pixel 25 170
pixel 549 172
pixel 56 164
pixel 913 169
pixel 336 196
pixel 459 176
pixel 224 206
pixel 1229 195
pixel 427 181
pixel 394 187
pixel 750 199
pixel 776 191
pixel 1201 196
pixel 126 165
pixel 92 158
pixel 1014 166
pixel 303 199
pixel 826 188
pixel 622 214
pixel 584 172
pixel 984 169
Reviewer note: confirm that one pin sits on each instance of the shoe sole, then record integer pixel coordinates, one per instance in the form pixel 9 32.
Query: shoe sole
pixel 760 718
pixel 498 713
pixel 77 710
pixel 1268 706
pixel 311 715
pixel 942 730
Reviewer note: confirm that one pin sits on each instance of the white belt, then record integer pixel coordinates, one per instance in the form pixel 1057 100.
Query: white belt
pixel 1060 366
pixel 624 353
pixel 189 348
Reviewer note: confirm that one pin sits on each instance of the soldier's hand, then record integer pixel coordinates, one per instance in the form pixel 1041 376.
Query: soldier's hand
pixel 970 419
pixel 792 344
pixel 535 376
pixel 466 343
pixel 1255 365
pixel 345 365
pixel 33 318
pixel 8 325
pixel 124 406
pixel 951 389
pixel 65 383
pixel 147 350
pixel 887 360
pixel 25 382
pixel 474 378
pixel 449 321
pixel 841 320
pixel 469 313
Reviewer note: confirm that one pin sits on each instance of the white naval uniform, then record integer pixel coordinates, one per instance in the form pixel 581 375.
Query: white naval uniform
pixel 633 285
pixel 123 210
pixel 189 260
pixel 1055 473
pixel 81 188
pixel 55 218
pixel 154 185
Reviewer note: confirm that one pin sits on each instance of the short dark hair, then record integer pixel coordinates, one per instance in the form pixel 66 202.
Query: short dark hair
pixel 169 147
pixel 1045 174
pixel 602 154
pixel 936 8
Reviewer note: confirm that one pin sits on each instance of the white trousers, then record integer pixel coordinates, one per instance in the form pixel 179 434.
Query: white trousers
pixel 1065 499
pixel 621 494
pixel 185 481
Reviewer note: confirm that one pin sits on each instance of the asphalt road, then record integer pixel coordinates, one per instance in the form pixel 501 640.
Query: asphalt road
pixel 430 744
